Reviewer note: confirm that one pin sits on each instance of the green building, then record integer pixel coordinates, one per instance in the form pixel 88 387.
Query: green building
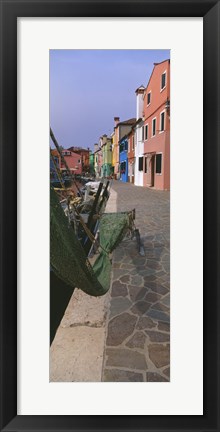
pixel 106 146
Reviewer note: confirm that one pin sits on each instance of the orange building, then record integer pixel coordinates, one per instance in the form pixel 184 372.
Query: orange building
pixel 156 130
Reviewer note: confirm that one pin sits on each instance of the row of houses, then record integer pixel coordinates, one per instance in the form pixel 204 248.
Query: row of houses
pixel 138 150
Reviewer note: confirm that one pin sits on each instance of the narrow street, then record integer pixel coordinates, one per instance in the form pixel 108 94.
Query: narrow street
pixel 125 335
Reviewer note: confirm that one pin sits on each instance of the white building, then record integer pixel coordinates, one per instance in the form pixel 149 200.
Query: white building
pixel 139 141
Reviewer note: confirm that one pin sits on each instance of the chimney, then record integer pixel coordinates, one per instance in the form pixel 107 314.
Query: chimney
pixel 104 139
pixel 140 101
pixel 116 120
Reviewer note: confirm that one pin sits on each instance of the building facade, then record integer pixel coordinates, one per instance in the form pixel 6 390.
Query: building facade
pixel 97 161
pixel 84 153
pixel 156 129
pixel 138 138
pixel 120 130
pixel 73 160
pixel 123 158
pixel 106 147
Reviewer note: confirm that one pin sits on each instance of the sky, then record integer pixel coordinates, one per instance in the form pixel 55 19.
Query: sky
pixel 88 88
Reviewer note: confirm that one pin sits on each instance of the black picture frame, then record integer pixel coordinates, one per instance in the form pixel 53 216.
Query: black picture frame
pixel 10 11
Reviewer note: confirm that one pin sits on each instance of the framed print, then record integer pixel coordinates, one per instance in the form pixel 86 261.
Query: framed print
pixel 30 30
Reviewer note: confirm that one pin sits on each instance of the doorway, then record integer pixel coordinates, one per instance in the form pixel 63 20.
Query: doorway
pixel 152 170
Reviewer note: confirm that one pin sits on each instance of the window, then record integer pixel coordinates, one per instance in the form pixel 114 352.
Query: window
pixel 162 121
pixel 78 161
pixel 140 163
pixel 123 167
pixel 149 98
pixel 154 127
pixel 132 170
pixel 145 165
pixel 146 132
pixel 159 163
pixel 142 133
pixel 133 142
pixel 163 80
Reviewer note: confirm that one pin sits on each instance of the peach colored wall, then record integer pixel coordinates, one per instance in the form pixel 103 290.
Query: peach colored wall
pixel 72 162
pixel 160 143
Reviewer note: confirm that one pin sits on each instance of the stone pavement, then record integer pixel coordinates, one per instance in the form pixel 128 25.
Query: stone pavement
pixel 124 335
pixel 137 338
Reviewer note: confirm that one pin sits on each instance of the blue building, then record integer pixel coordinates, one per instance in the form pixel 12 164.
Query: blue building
pixel 123 158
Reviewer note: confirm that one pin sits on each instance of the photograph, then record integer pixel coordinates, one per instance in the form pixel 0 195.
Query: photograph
pixel 109 215
pixel 109 265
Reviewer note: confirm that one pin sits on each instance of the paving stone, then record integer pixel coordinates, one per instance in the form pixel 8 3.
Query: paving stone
pixel 119 305
pixel 155 377
pixel 164 326
pixel 166 300
pixel 119 289
pixel 136 293
pixel 139 261
pixel 166 257
pixel 152 297
pixel 120 328
pixel 158 315
pixel 167 372
pixel 116 265
pixel 136 280
pixel 153 264
pixel 149 278
pixel 128 266
pixel 159 289
pixel 140 267
pixel 141 307
pixel 159 354
pixel 161 307
pixel 166 266
pixel 118 273
pixel 127 259
pixel 145 323
pixel 126 358
pixel 148 245
pixel 156 336
pixel 137 340
pixel 160 273
pixel 125 279
pixel 118 375
pixel 166 284
pixel 146 272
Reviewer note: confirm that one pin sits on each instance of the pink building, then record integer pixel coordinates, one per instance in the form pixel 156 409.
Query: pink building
pixel 73 160
pixel 156 130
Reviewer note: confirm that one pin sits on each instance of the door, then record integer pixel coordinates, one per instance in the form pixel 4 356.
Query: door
pixel 152 170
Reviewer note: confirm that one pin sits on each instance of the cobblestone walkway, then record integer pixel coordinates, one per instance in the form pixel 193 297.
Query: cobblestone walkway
pixel 138 324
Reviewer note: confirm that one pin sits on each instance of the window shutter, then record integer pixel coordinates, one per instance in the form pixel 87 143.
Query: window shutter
pixel 140 164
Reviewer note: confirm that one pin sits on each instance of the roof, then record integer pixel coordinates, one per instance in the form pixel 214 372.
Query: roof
pixel 129 122
pixel 140 88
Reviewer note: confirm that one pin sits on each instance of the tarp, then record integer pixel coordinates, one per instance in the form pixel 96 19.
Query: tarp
pixel 68 259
